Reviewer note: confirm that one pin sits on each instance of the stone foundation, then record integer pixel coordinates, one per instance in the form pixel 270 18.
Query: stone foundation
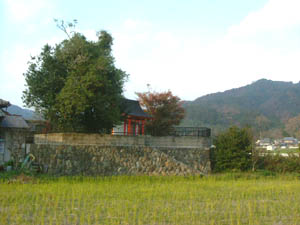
pixel 120 160
pixel 115 140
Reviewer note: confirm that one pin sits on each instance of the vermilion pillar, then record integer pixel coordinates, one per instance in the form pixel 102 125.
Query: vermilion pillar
pixel 129 127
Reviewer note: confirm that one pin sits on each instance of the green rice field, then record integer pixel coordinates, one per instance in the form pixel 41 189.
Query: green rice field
pixel 216 199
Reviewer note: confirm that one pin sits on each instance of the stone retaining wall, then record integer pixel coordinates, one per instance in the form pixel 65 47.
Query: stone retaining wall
pixel 117 160
pixel 115 140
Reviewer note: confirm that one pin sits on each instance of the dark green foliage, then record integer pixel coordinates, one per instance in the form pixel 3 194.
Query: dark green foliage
pixel 8 163
pixel 233 150
pixel 280 164
pixel 76 85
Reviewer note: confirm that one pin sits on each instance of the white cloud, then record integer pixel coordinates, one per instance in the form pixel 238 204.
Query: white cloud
pixel 90 34
pixel 14 64
pixel 133 24
pixel 191 68
pixel 22 10
pixel 275 15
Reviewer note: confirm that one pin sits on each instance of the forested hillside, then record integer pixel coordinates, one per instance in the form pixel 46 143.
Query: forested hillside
pixel 272 108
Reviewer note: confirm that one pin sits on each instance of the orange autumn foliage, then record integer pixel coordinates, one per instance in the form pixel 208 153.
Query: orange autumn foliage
pixel 165 109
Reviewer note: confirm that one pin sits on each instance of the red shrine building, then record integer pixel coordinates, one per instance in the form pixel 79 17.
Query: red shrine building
pixel 134 119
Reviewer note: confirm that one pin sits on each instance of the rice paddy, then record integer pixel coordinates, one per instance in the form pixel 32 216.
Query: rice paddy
pixel 216 199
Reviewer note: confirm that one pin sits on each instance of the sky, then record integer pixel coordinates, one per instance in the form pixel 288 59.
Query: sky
pixel 190 47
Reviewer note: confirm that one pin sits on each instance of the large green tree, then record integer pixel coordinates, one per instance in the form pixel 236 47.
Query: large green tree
pixel 76 85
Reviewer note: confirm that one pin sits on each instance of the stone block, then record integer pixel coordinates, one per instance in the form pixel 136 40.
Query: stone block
pixel 130 160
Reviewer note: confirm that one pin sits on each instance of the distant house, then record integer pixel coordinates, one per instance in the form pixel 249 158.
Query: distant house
pixel 290 142
pixel 277 142
pixel 263 143
pixel 134 119
pixel 271 148
pixel 283 146
pixel 13 130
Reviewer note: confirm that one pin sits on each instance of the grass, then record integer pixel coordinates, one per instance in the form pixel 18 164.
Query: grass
pixel 288 150
pixel 261 198
pixel 280 150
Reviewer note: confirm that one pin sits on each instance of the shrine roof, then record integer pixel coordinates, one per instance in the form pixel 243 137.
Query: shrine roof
pixel 133 108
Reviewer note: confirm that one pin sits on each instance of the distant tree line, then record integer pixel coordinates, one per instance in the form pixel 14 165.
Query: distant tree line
pixel 271 108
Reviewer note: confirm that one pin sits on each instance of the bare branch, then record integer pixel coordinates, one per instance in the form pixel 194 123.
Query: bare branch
pixel 62 25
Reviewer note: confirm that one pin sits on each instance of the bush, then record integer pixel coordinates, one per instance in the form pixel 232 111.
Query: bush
pixel 280 164
pixel 233 150
pixel 9 163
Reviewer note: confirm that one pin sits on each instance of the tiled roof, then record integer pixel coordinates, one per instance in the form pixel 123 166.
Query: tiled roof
pixel 133 108
pixel 4 103
pixel 289 139
pixel 13 121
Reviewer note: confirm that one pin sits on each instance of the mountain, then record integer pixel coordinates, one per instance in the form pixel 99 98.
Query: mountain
pixel 26 113
pixel 265 105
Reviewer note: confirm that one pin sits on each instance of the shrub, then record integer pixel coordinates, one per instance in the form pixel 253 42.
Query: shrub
pixel 9 163
pixel 280 164
pixel 233 150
